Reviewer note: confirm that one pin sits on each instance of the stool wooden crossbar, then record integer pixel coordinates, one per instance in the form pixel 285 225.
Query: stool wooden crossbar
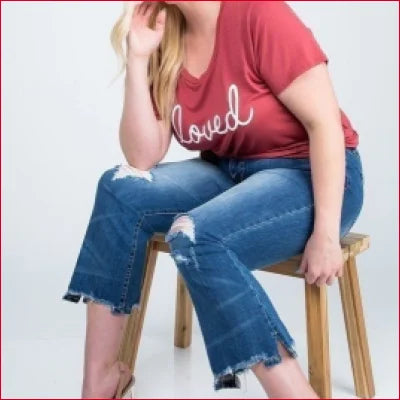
pixel 316 313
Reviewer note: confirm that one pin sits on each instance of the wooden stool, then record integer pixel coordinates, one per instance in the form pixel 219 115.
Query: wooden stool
pixel 316 310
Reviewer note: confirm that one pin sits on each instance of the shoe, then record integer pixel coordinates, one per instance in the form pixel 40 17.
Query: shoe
pixel 127 391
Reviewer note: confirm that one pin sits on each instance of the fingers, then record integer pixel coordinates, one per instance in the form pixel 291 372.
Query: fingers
pixel 302 267
pixel 326 280
pixel 160 19
pixel 321 278
pixel 149 9
pixel 339 272
pixel 137 11
pixel 144 11
pixel 140 11
pixel 311 277
pixel 142 7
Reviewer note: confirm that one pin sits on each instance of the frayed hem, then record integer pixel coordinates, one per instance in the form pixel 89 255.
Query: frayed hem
pixel 75 296
pixel 228 377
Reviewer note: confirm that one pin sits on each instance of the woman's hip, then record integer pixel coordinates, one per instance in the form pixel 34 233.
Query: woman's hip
pixel 269 215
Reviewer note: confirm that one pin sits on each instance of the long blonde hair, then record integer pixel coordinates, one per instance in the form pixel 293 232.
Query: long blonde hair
pixel 165 62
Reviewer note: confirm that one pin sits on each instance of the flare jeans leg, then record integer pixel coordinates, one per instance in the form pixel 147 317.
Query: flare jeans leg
pixel 130 206
pixel 265 218
pixel 223 219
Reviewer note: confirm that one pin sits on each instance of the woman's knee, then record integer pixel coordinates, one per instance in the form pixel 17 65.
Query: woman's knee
pixel 121 183
pixel 192 228
pixel 124 173
pixel 183 223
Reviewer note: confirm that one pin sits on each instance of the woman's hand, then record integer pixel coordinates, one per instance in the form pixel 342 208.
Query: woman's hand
pixel 322 260
pixel 142 40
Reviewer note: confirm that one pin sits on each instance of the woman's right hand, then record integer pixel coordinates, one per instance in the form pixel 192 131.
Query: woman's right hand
pixel 142 40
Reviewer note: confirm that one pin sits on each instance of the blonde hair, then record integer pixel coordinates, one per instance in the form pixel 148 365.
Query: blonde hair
pixel 165 62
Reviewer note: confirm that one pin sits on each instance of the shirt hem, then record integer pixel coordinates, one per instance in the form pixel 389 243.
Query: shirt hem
pixel 283 153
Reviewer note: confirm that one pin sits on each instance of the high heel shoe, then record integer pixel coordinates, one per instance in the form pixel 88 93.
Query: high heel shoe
pixel 127 391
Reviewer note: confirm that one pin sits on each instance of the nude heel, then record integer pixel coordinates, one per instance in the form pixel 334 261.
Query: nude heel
pixel 127 392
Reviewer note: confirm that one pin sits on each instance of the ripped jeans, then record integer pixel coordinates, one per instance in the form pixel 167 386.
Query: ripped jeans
pixel 223 218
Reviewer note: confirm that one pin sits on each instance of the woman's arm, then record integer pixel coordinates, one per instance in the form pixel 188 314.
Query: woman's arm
pixel 294 67
pixel 311 98
pixel 144 139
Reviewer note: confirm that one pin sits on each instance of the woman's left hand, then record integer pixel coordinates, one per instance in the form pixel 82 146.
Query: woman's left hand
pixel 322 260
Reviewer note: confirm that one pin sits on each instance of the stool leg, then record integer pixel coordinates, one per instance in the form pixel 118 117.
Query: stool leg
pixel 356 331
pixel 133 329
pixel 318 340
pixel 183 314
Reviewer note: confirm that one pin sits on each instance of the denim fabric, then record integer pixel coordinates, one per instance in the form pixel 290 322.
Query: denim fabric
pixel 223 218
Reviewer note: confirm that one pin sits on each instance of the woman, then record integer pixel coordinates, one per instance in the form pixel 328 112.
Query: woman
pixel 279 173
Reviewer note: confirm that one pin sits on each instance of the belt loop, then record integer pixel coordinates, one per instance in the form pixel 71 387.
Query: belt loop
pixel 232 167
pixel 242 169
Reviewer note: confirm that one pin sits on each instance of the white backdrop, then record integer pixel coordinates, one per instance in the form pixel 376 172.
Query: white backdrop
pixel 60 118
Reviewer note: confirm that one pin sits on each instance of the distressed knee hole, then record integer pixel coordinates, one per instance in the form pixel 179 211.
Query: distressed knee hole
pixel 125 170
pixel 182 224
pixel 178 257
pixel 189 260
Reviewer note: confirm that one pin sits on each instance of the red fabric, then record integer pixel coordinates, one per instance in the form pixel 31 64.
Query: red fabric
pixel 232 108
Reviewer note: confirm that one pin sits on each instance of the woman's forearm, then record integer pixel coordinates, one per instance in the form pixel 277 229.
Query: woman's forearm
pixel 139 134
pixel 327 157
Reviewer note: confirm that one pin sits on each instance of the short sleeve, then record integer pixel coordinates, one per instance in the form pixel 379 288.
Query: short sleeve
pixel 156 112
pixel 284 47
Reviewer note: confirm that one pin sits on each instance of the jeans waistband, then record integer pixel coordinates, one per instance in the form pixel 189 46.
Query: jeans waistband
pixel 237 167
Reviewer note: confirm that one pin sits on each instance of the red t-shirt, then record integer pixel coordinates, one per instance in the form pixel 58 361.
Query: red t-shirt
pixel 232 108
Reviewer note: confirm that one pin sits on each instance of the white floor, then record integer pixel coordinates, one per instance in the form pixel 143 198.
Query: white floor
pixel 43 342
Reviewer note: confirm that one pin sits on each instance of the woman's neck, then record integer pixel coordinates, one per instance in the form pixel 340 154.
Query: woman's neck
pixel 201 16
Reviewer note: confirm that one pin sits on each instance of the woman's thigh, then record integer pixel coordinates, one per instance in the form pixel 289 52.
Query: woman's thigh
pixel 269 216
pixel 158 194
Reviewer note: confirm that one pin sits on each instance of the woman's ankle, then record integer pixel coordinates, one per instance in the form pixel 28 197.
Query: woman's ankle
pixel 102 380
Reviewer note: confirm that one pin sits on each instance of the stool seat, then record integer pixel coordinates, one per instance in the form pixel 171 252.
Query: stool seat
pixel 352 244
pixel 316 313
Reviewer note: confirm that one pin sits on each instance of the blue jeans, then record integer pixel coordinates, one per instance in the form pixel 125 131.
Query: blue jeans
pixel 223 218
